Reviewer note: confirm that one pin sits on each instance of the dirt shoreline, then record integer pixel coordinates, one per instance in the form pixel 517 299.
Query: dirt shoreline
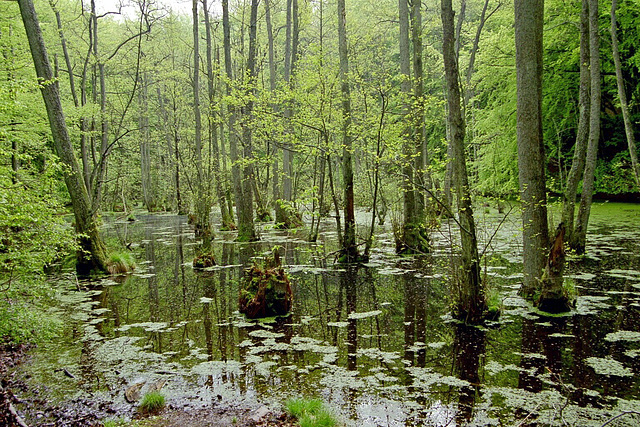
pixel 21 405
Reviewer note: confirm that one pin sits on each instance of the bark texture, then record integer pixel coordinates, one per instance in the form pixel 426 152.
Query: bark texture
pixel 531 159
pixel 579 237
pixel 580 148
pixel 471 303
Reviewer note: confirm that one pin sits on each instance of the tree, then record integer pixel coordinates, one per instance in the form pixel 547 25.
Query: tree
pixel 580 147
pixel 471 303
pixel 414 238
pixel 202 205
pixel 579 237
pixel 622 95
pixel 92 253
pixel 531 161
pixel 349 247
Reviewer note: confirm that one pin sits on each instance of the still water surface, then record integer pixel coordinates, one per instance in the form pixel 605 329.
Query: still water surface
pixel 374 342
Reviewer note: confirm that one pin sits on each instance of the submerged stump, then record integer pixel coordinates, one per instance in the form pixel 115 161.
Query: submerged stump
pixel 265 290
pixel 554 298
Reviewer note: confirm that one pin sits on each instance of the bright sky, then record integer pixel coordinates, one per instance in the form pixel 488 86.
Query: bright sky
pixel 178 6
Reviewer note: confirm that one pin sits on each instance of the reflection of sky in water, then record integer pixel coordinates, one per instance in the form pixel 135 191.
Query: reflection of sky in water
pixel 376 344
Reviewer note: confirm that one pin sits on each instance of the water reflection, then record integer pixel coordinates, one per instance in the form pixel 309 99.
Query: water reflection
pixel 374 341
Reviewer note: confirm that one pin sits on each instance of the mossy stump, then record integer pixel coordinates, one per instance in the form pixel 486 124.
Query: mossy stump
pixel 265 290
pixel 204 260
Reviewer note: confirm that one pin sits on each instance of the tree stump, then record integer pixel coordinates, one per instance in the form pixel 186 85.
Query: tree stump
pixel 265 290
pixel 553 298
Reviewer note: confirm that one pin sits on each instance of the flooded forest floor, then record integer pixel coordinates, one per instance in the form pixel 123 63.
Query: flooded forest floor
pixel 375 341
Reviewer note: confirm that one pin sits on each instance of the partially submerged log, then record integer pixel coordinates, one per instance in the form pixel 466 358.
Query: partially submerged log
pixel 265 290
pixel 554 298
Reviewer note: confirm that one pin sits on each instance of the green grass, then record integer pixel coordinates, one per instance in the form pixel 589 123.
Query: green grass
pixel 310 413
pixel 120 263
pixel 152 403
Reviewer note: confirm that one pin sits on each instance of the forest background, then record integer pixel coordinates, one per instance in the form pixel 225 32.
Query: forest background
pixel 269 119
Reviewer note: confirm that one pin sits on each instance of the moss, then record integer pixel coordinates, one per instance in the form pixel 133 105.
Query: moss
pixel 152 403
pixel 265 290
pixel 204 260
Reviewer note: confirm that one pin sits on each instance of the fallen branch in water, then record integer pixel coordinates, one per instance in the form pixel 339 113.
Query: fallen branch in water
pixel 620 416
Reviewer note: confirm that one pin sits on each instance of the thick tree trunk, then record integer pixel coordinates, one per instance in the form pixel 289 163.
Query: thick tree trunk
pixel 92 253
pixel 580 147
pixel 471 303
pixel 531 161
pixel 624 106
pixel 579 237
pixel 349 248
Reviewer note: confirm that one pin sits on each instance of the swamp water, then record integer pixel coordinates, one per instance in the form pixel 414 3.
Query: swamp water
pixel 375 342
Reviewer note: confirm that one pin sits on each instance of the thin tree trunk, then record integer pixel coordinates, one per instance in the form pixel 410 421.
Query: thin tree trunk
pixel 202 205
pixel 409 242
pixel 145 153
pixel 580 147
pixel 471 303
pixel 418 110
pixel 233 139
pixel 246 229
pixel 579 237
pixel 349 248
pixel 624 106
pixel 92 253
pixel 225 215
pixel 531 160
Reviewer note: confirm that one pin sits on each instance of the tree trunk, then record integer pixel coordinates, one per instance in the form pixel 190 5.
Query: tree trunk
pixel 233 139
pixel 202 205
pixel 553 298
pixel 225 215
pixel 246 229
pixel 471 303
pixel 624 106
pixel 579 237
pixel 349 248
pixel 92 253
pixel 148 192
pixel 580 147
pixel 531 161
pixel 413 239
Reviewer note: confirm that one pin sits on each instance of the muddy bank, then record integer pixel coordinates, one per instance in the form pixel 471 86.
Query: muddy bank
pixel 23 404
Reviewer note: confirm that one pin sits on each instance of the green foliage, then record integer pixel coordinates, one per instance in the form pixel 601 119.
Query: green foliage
pixel 22 323
pixel 310 413
pixel 152 403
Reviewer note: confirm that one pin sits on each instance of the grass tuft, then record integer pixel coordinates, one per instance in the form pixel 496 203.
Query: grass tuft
pixel 152 403
pixel 121 263
pixel 310 413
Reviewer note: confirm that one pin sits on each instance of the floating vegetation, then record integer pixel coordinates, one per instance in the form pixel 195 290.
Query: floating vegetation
pixel 358 316
pixel 623 336
pixel 607 366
